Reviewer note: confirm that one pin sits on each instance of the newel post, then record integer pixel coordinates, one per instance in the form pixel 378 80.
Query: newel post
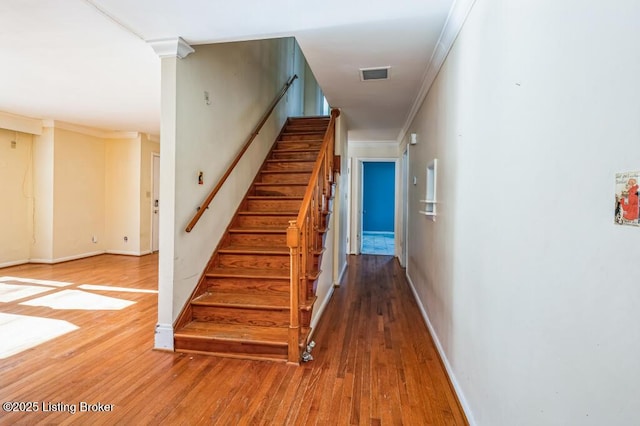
pixel 293 241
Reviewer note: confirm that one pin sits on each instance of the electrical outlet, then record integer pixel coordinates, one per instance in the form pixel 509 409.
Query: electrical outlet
pixel 126 239
pixel 94 239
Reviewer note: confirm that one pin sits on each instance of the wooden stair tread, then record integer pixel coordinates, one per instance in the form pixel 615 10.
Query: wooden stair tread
pixel 240 249
pixel 274 197
pixel 281 184
pixel 221 272
pixel 276 336
pixel 295 150
pixel 243 300
pixel 290 160
pixel 261 230
pixel 268 213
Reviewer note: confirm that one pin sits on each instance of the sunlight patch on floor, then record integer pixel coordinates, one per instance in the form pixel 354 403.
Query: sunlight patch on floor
pixel 20 332
pixel 77 299
pixel 11 292
pixel 112 288
pixel 14 280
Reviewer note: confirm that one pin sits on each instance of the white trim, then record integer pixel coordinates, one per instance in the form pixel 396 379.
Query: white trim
pixel 171 47
pixel 456 387
pixel 13 263
pixel 90 131
pixel 341 275
pixel 163 337
pixel 67 258
pixel 145 252
pixel 153 138
pixel 18 123
pixel 357 220
pixel 124 252
pixel 457 16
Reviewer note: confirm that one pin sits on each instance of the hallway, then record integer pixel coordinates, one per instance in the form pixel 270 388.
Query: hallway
pixel 374 360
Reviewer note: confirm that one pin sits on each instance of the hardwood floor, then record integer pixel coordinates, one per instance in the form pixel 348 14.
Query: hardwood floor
pixel 375 363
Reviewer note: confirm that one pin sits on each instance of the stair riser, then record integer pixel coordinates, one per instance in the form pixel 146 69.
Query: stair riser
pixel 302 156
pixel 257 240
pixel 281 190
pixel 295 177
pixel 253 261
pixel 301 137
pixel 230 348
pixel 293 166
pixel 266 205
pixel 308 144
pixel 261 285
pixel 242 316
pixel 256 221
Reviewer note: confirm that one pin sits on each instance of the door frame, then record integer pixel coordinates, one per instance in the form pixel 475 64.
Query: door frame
pixel 155 184
pixel 404 207
pixel 356 208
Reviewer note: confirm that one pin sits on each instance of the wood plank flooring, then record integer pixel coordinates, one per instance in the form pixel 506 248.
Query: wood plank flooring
pixel 375 363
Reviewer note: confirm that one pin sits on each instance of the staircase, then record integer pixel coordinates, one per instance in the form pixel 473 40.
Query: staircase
pixel 241 306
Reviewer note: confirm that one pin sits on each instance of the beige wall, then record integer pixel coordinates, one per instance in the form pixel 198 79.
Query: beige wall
pixel 122 191
pixel 79 194
pixel 16 193
pixel 42 239
pixel 73 192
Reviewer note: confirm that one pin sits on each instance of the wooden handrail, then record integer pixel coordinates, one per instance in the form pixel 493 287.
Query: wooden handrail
pixel 253 135
pixel 306 201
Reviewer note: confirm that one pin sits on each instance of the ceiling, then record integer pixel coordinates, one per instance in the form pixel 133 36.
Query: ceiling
pixel 87 61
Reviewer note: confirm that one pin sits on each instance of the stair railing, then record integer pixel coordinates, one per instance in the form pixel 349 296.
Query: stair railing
pixel 304 236
pixel 252 136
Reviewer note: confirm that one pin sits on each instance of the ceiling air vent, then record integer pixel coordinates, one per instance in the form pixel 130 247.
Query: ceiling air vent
pixel 379 73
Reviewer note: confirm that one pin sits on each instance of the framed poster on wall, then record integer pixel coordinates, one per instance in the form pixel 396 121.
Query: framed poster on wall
pixel 627 211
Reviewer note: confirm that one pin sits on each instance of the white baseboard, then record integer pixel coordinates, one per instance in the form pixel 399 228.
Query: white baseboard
pixel 13 263
pixel 164 337
pixel 144 253
pixel 344 269
pixel 443 356
pixel 124 252
pixel 67 258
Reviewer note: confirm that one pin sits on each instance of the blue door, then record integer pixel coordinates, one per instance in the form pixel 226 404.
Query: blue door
pixel 378 196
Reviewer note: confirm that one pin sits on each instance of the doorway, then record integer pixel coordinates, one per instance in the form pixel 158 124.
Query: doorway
pixel 378 207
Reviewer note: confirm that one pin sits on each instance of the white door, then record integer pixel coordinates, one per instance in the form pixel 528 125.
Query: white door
pixel 155 206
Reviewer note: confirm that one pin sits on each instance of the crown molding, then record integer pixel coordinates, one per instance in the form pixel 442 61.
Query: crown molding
pixel 89 131
pixel 457 16
pixel 171 47
pixel 19 123
pixel 153 138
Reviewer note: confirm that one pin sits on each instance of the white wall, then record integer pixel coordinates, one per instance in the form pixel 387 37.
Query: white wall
pixel 341 202
pixel 528 285
pixel 242 79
